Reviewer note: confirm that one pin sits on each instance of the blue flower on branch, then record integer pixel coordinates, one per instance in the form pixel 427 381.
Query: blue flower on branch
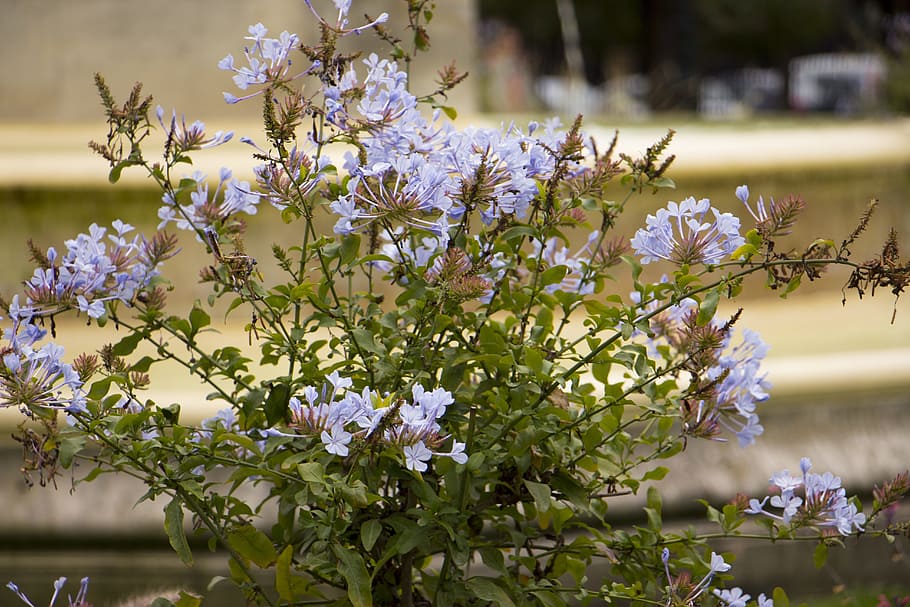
pixel 341 24
pixel 32 377
pixel 187 138
pixel 94 270
pixel 268 62
pixel 681 233
pixel 339 417
pixel 823 504
pixel 205 211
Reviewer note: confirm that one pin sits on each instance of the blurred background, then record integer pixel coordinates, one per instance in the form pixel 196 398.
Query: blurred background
pixel 799 96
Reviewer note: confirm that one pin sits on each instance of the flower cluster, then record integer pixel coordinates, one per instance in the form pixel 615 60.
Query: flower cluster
pixel 38 377
pixel 427 175
pixel 296 177
pixel 338 416
pixel 92 272
pixel 185 138
pixel 740 385
pixel 680 233
pixel 95 270
pixel 823 504
pixel 206 211
pixel 268 61
pixel 731 382
pixel 79 601
pixel 686 593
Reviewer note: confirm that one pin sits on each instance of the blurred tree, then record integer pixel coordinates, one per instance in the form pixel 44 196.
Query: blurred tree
pixel 769 33
pixel 603 27
pixel 675 42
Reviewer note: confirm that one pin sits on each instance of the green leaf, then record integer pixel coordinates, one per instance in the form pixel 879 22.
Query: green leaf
pixel 662 182
pixel 366 340
pixel 493 558
pixel 173 525
pixel 128 344
pixel 820 555
pixel 533 360
pixel 99 388
pixel 707 308
pixel 744 252
pixel 541 495
pixel 780 598
pixel 354 572
pixel 276 405
pixel 350 246
pixel 553 275
pixel 517 232
pixel 143 365
pixel 601 371
pixel 70 445
pixel 369 533
pixel 548 598
pixel 252 544
pixel 311 472
pixel 199 319
pixel 656 474
pixel 188 600
pixel 792 285
pixel 232 306
pixel 283 574
pixel 449 111
pixel 114 175
pixel 486 588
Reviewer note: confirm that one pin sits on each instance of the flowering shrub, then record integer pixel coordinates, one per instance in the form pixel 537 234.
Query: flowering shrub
pixel 451 391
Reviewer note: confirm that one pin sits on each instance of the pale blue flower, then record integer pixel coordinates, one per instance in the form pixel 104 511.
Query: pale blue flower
pixel 718 564
pixel 760 213
pixel 785 481
pixel 742 386
pixel 91 272
pixel 40 378
pixel 337 441
pixel 742 192
pixel 457 453
pixel 338 422
pixel 416 457
pixel 94 309
pixel 733 597
pixel 20 594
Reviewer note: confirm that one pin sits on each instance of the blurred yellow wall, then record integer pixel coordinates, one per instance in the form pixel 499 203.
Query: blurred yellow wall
pixel 52 48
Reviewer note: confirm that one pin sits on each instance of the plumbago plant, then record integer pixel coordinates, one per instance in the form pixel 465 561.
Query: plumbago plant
pixel 450 389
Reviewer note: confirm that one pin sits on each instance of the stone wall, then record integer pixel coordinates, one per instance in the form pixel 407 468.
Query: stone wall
pixel 53 47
